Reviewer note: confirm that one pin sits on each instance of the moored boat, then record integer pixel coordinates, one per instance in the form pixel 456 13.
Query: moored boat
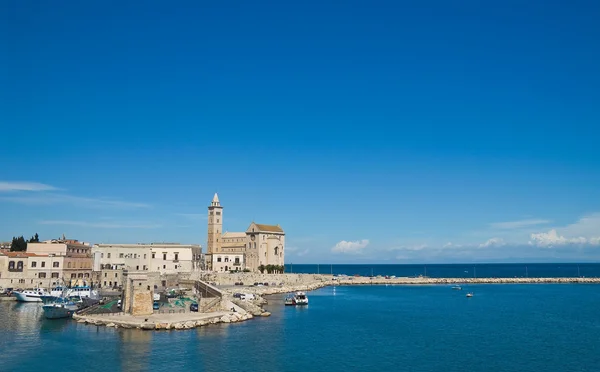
pixel 300 298
pixel 59 307
pixel 289 301
pixel 31 295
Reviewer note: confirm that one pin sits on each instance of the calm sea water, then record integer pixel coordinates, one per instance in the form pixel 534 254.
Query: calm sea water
pixel 524 328
pixel 558 270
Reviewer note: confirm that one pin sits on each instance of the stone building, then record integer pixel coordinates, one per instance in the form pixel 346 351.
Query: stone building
pixel 112 260
pixel 46 264
pixel 259 245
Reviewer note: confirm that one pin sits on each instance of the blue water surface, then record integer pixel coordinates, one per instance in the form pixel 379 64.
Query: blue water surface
pixel 510 327
pixel 485 270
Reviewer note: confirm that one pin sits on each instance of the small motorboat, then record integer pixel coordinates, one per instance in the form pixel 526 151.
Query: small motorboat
pixel 457 287
pixel 300 298
pixel 469 294
pixel 289 301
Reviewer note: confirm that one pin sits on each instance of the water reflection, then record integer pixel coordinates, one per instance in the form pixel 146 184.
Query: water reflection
pixel 135 347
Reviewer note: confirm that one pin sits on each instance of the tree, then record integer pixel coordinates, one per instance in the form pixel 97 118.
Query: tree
pixel 35 239
pixel 261 268
pixel 18 244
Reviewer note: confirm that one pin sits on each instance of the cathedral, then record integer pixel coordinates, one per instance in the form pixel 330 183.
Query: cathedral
pixel 259 245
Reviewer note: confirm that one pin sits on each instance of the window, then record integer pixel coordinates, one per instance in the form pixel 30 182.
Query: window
pixel 43 263
pixel 120 255
pixel 137 267
pixel 105 283
pixel 218 259
pixel 54 275
pixel 87 275
pixel 176 256
pixel 68 265
pixel 80 275
pixel 108 255
pixel 101 255
pixel 11 265
pixel 116 275
pixel 218 213
pixel 144 256
pixel 73 276
pixel 226 259
pixel 217 221
pixel 20 265
pixel 165 267
pixel 276 251
pixel 145 267
pixel 105 274
pixel 41 275
pixel 33 264
pixel 55 264
pixel 175 267
pixel 164 256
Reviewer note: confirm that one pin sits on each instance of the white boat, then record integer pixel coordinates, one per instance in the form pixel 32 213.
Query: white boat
pixel 469 294
pixel 457 287
pixel 31 295
pixel 59 307
pixel 300 298
pixel 83 292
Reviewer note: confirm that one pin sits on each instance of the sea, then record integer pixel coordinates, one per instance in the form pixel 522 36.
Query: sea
pixel 417 328
pixel 486 270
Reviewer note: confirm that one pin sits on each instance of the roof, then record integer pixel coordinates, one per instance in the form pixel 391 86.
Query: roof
pixel 272 228
pixel 21 254
pixel 234 235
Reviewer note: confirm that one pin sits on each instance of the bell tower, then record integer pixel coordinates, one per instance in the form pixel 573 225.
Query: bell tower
pixel 215 224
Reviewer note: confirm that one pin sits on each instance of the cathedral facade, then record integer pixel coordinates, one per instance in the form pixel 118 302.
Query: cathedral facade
pixel 260 245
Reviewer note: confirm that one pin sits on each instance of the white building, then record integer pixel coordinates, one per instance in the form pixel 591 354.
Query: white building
pixel 164 258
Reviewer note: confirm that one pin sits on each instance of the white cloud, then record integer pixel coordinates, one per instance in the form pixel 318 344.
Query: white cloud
pixel 24 186
pixel 350 247
pixel 50 198
pixel 103 225
pixel 585 231
pixel 518 224
pixel 552 238
pixel 493 242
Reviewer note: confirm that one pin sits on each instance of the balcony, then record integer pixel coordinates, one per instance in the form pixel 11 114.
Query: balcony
pixel 237 263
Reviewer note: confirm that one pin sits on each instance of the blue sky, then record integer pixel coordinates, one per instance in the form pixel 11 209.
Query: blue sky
pixel 379 131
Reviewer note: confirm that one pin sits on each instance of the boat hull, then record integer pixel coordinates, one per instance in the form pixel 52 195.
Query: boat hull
pixel 22 297
pixel 58 312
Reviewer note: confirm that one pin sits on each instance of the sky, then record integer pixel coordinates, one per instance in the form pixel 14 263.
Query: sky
pixel 372 132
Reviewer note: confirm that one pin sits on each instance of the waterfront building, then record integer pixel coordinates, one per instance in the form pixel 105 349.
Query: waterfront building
pixel 259 245
pixel 46 264
pixel 111 260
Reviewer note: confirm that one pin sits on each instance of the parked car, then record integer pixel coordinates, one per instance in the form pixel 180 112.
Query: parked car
pixel 265 283
pixel 237 295
pixel 155 306
pixel 194 307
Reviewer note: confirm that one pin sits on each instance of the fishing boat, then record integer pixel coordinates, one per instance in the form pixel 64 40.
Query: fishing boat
pixel 289 301
pixel 83 292
pixel 300 298
pixel 59 307
pixel 457 287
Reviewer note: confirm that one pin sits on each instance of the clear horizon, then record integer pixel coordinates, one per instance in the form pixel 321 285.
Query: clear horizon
pixel 389 133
